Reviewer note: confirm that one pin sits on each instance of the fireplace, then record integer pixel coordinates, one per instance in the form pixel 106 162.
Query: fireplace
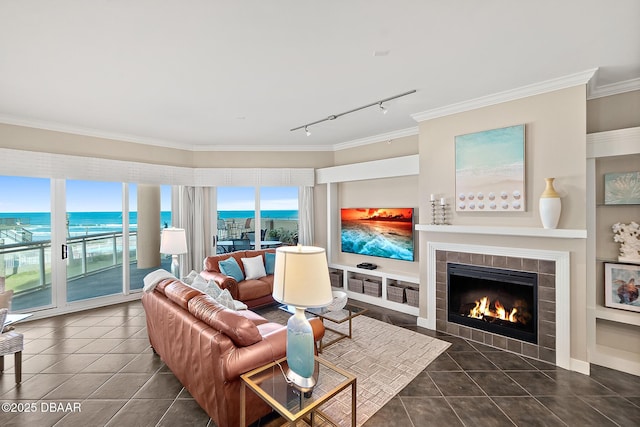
pixel 495 300
pixel 553 291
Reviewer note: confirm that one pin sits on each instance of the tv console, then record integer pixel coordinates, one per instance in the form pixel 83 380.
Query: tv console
pixel 383 276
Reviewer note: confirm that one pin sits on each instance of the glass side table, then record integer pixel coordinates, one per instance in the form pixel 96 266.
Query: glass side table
pixel 338 316
pixel 270 384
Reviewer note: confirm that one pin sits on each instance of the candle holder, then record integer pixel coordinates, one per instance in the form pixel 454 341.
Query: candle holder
pixel 443 214
pixel 434 219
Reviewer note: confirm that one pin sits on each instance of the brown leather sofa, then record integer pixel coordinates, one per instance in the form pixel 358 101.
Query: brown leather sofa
pixel 253 292
pixel 208 347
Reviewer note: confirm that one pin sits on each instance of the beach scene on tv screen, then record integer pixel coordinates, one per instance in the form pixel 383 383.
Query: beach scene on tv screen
pixel 379 232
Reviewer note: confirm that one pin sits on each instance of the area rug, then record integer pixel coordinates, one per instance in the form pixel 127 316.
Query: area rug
pixel 383 357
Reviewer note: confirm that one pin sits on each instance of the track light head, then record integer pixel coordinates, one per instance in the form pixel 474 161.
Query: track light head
pixel 383 110
pixel 307 131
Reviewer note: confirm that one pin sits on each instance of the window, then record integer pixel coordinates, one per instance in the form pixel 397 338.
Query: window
pixel 248 217
pixel 25 241
pixel 279 214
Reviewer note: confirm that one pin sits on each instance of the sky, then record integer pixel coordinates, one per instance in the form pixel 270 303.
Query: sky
pixel 271 198
pixel 23 194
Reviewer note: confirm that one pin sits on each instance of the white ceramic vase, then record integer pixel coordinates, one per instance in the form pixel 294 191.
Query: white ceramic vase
pixel 550 205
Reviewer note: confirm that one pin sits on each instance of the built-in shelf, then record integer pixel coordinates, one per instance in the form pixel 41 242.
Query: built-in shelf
pixel 505 231
pixel 608 152
pixel 385 277
pixel 378 272
pixel 621 316
pixel 602 259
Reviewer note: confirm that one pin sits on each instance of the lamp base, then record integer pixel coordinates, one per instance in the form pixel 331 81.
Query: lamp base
pixel 300 354
pixel 303 384
pixel 175 266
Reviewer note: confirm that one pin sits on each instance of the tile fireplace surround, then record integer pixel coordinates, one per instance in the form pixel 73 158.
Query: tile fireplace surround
pixel 545 350
pixel 552 267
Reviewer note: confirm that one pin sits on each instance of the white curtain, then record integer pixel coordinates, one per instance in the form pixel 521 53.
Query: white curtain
pixel 194 218
pixel 305 213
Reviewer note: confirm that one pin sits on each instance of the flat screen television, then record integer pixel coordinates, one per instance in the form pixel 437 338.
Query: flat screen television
pixel 379 232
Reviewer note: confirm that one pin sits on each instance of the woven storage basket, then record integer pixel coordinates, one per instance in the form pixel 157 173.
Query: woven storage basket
pixel 355 285
pixel 372 288
pixel 412 297
pixel 336 279
pixel 395 293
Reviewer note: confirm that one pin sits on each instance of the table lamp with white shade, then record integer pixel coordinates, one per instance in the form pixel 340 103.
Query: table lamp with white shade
pixel 301 280
pixel 173 241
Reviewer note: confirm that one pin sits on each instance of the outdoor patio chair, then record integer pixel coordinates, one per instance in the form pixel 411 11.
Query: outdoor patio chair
pixel 11 343
pixel 247 226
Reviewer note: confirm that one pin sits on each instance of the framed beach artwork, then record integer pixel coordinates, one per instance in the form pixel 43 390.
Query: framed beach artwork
pixel 622 188
pixel 490 171
pixel 621 283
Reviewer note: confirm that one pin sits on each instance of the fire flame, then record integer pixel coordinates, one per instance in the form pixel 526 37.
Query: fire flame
pixel 483 308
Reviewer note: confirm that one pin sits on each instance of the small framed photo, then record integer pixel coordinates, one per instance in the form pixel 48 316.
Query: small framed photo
pixel 621 286
pixel 622 188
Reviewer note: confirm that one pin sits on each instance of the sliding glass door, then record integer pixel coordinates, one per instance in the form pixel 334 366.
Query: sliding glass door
pixel 94 236
pixel 250 217
pixel 279 215
pixel 236 218
pixel 25 241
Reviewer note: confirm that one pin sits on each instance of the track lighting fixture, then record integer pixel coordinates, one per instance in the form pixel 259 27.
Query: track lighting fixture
pixel 383 109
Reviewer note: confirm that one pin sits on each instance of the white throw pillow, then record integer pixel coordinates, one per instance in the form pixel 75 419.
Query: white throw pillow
pixel 239 305
pixel 223 296
pixel 200 283
pixel 253 267
pixel 190 278
pixel 213 289
pixel 226 299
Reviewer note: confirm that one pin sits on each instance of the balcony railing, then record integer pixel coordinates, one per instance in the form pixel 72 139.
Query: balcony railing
pixel 27 266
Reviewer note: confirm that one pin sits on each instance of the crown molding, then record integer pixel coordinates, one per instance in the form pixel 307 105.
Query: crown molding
pixel 77 130
pixel 254 148
pixel 377 138
pixel 509 95
pixel 613 88
pixel 95 133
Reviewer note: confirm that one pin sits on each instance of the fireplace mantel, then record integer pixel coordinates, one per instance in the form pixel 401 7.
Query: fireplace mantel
pixel 561 233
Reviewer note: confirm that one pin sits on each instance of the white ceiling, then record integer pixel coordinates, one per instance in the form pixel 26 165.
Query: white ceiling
pixel 213 74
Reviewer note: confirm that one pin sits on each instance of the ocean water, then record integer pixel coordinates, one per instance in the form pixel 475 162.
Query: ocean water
pixel 86 223
pixel 387 239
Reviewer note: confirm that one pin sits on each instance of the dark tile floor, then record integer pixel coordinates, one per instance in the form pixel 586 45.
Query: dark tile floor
pixel 101 360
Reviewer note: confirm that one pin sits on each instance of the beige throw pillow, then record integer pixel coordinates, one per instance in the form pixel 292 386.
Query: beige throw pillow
pixel 5 299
